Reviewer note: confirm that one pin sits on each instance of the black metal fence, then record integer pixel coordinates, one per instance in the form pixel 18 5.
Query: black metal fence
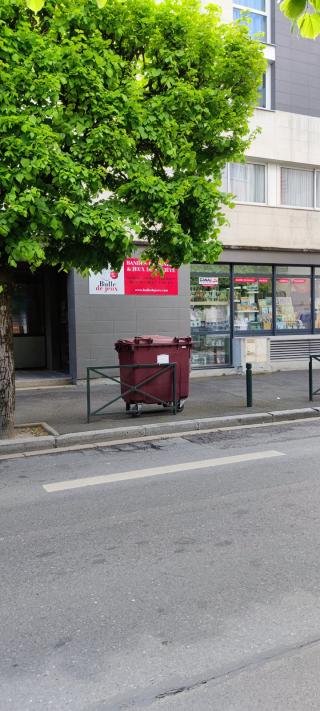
pixel 128 388
pixel 312 392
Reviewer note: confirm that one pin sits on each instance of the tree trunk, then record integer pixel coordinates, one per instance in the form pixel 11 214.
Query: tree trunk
pixel 7 376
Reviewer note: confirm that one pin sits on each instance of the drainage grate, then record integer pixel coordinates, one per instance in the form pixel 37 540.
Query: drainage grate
pixel 293 349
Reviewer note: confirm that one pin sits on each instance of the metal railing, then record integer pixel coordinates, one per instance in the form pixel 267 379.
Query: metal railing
pixel 312 392
pixel 160 370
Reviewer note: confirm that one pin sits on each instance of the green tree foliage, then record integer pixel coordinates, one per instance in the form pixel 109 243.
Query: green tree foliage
pixel 115 123
pixel 116 118
pixel 305 15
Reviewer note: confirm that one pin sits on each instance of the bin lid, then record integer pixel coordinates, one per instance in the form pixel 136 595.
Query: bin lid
pixel 154 341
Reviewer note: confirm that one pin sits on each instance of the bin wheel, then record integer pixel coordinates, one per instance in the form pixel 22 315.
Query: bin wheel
pixel 135 410
pixel 167 404
pixel 180 406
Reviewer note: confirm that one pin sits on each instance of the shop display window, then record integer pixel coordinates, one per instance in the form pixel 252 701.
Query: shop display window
pixel 209 350
pixel 252 303
pixel 293 301
pixel 293 270
pixel 266 301
pixel 210 314
pixel 317 303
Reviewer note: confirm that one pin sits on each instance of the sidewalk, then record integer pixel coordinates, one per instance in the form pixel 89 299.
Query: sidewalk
pixel 64 408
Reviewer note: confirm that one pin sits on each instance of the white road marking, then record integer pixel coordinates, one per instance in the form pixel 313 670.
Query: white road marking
pixel 158 471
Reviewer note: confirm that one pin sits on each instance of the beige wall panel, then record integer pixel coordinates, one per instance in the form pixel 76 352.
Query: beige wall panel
pixel 286 137
pixel 272 228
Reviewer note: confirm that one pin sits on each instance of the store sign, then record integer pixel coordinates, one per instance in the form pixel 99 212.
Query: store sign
pixel 245 280
pixel 208 281
pixel 251 280
pixel 135 278
pixel 107 282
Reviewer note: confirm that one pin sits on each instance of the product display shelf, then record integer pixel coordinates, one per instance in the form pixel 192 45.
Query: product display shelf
pixel 209 303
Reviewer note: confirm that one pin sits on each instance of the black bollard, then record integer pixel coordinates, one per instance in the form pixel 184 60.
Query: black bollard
pixel 249 383
pixel 310 380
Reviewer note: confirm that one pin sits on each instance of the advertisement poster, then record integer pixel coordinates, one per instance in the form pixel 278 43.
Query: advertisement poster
pixel 208 281
pixel 135 279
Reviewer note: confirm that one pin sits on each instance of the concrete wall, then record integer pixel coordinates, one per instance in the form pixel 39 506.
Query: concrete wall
pixel 272 228
pixel 286 137
pixel 100 320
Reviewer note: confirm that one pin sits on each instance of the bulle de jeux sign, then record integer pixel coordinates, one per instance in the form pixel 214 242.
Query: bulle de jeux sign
pixel 135 278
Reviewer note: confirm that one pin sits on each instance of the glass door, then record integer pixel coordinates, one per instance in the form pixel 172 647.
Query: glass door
pixel 210 315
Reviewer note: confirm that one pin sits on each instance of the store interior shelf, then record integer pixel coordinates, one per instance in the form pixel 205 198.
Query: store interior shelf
pixel 209 303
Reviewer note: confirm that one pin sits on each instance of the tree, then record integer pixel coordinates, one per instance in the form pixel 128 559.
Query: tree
pixel 115 123
pixel 305 15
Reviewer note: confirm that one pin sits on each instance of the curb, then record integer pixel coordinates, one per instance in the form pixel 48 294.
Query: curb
pixel 55 441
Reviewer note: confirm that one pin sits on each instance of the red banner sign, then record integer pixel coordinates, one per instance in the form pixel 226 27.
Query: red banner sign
pixel 139 280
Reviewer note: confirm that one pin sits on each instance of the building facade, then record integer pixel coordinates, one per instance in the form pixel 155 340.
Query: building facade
pixel 261 302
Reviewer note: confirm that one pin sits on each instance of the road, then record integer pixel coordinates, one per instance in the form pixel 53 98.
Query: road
pixel 129 585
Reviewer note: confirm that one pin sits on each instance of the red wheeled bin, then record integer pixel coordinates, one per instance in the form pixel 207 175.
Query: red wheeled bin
pixel 154 370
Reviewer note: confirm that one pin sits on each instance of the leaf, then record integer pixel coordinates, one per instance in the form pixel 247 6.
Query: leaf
pixel 293 8
pixel 316 4
pixel 35 5
pixel 309 25
pixel 101 3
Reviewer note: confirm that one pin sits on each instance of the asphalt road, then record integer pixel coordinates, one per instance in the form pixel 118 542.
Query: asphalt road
pixel 196 589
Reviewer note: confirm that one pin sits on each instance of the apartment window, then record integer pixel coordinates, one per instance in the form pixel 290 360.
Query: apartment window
pixel 247 182
pixel 317 188
pixel 257 12
pixel 264 100
pixel 297 187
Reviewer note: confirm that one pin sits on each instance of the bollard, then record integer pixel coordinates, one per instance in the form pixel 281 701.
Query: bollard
pixel 249 383
pixel 310 380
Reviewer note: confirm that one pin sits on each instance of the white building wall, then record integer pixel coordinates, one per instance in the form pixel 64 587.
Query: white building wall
pixel 285 139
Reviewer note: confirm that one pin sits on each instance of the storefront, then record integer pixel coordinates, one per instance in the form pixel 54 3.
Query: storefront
pixel 229 301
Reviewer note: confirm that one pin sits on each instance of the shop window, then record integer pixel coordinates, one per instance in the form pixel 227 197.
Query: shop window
pixel 247 182
pixel 293 270
pixel 252 303
pixel 297 187
pixel 293 301
pixel 253 269
pixel 317 304
pixel 254 14
pixel 27 312
pixel 210 315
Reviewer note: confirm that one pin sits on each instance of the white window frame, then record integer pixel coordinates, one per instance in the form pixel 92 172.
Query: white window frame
pixel 249 202
pixel 316 171
pixel 265 13
pixel 307 170
pixel 268 74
